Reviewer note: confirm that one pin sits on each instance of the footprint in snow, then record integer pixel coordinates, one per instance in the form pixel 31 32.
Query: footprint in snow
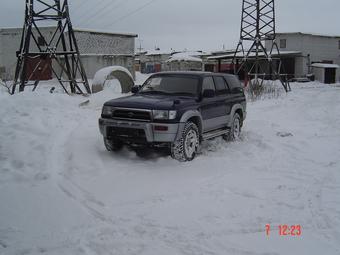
pixel 284 134
pixel 41 177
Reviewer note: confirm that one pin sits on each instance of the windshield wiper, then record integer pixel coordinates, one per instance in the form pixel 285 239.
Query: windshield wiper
pixel 183 94
pixel 154 92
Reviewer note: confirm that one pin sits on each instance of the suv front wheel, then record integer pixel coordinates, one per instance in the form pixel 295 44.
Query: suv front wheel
pixel 113 145
pixel 185 148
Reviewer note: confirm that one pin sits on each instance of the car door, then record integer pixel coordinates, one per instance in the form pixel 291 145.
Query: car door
pixel 223 107
pixel 209 106
pixel 236 92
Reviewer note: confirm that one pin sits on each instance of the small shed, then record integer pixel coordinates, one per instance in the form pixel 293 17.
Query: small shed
pixel 325 73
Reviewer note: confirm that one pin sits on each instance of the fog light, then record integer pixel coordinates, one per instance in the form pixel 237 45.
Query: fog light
pixel 161 128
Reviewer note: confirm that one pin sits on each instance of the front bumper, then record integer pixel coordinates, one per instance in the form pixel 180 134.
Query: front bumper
pixel 147 128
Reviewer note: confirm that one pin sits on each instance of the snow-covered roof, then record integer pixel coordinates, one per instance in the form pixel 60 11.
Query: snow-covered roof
pixel 310 34
pixel 194 53
pixel 158 52
pixel 105 55
pixel 251 55
pixel 186 56
pixel 324 65
pixel 220 52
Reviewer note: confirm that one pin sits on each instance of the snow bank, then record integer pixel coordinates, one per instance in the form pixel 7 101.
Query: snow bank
pixel 118 72
pixel 102 75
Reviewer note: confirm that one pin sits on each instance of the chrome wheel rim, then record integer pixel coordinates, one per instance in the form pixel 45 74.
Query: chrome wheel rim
pixel 190 143
pixel 237 127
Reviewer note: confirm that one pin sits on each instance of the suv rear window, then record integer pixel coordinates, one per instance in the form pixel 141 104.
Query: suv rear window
pixel 208 84
pixel 233 82
pixel 221 85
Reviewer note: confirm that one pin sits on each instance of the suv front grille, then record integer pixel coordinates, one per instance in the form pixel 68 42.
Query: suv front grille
pixel 132 114
pixel 130 135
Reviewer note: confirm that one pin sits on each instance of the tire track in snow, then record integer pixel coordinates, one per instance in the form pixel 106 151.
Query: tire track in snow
pixel 58 163
pixel 322 221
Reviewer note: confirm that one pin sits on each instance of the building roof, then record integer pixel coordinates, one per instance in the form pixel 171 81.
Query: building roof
pixel 195 73
pixel 76 30
pixel 222 52
pixel 252 55
pixel 324 65
pixel 309 34
pixel 158 52
pixel 186 56
pixel 93 31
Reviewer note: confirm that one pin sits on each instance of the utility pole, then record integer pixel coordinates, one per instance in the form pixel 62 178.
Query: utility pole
pixel 140 46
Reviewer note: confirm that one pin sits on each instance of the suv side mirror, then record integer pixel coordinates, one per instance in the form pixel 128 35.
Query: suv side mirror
pixel 237 90
pixel 135 89
pixel 209 93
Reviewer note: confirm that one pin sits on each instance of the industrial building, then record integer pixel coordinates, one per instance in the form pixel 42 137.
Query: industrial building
pixel 186 61
pixel 301 55
pixel 98 49
pixel 311 49
pixel 154 61
pixel 157 60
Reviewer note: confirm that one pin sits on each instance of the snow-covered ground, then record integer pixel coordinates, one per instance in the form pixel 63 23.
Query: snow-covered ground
pixel 61 192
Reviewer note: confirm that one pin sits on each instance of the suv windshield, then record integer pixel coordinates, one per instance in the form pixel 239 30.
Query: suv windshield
pixel 171 85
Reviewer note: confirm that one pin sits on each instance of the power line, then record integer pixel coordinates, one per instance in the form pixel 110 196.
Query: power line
pixel 87 19
pixel 131 13
pixel 79 8
pixel 107 10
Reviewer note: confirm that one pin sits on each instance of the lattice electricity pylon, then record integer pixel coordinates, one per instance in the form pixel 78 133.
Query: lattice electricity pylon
pixel 257 27
pixel 39 52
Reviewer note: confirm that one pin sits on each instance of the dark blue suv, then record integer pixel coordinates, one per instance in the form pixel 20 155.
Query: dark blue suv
pixel 175 110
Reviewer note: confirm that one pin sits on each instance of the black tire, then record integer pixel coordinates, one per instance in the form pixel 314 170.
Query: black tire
pixel 235 129
pixel 113 145
pixel 185 148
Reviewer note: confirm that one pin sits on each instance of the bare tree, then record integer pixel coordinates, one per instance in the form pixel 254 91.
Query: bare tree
pixel 7 85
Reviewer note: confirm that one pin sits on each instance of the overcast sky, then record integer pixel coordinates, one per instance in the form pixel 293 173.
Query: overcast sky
pixel 185 24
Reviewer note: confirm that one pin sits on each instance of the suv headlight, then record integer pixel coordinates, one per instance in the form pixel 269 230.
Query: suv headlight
pixel 107 111
pixel 164 115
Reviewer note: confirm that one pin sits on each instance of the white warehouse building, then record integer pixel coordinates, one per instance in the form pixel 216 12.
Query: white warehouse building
pixel 98 49
pixel 311 49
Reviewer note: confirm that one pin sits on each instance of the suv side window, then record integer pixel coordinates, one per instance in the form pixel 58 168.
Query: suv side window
pixel 221 86
pixel 208 83
pixel 234 84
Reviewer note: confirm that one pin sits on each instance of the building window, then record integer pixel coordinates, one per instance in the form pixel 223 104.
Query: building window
pixel 283 43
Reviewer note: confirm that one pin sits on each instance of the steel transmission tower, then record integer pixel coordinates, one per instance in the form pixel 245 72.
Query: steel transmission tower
pixel 257 28
pixel 57 52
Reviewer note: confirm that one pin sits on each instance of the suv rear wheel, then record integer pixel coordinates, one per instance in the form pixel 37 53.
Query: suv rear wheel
pixel 235 129
pixel 113 145
pixel 185 148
